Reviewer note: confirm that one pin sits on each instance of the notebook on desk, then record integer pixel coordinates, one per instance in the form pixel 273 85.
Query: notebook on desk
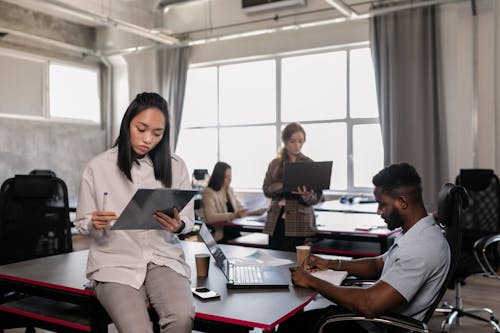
pixel 244 276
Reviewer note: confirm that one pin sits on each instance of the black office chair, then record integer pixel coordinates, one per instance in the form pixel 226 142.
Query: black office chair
pixel 34 222
pixel 452 200
pixel 481 225
pixel 34 218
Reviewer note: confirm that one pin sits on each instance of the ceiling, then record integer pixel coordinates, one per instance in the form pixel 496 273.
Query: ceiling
pixel 193 22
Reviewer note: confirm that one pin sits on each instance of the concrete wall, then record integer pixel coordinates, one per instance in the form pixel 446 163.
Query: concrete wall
pixel 31 143
pixel 61 147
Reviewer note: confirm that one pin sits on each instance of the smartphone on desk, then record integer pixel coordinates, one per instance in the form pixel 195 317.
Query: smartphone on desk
pixel 204 293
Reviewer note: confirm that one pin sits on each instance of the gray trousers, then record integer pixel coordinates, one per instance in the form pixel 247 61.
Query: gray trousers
pixel 166 290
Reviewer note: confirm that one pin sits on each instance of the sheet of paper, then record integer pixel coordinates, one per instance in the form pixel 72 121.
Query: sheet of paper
pixel 333 277
pixel 255 203
pixel 260 258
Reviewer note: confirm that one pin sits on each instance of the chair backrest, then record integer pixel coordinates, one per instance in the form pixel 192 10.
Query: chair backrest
pixel 482 218
pixel 42 172
pixel 483 187
pixel 452 200
pixel 34 218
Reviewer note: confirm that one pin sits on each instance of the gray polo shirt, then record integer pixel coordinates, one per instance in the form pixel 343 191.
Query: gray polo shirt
pixel 416 266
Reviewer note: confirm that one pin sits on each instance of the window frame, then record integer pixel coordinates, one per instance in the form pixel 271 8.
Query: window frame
pixel 278 124
pixel 45 109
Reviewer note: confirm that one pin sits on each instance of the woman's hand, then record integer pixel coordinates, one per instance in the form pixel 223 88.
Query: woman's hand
pixel 101 219
pixel 174 225
pixel 314 263
pixel 304 193
pixel 241 213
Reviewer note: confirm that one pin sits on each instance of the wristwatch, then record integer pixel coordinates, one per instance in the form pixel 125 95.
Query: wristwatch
pixel 181 228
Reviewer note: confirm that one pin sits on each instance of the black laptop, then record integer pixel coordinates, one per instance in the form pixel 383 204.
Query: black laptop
pixel 244 276
pixel 313 175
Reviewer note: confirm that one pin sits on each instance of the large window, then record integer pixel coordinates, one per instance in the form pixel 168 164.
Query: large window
pixel 234 112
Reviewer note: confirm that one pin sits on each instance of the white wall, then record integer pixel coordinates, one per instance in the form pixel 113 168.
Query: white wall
pixel 471 134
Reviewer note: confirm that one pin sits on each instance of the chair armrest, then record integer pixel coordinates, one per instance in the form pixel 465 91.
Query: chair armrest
pixel 480 254
pixel 354 281
pixel 388 319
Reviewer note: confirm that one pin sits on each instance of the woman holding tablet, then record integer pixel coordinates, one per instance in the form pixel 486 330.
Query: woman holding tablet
pixel 290 218
pixel 134 268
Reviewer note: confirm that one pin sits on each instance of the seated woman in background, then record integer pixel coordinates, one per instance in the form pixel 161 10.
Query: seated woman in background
pixel 220 204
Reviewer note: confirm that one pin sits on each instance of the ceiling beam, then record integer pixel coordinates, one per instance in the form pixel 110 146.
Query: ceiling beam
pixel 152 34
pixel 341 7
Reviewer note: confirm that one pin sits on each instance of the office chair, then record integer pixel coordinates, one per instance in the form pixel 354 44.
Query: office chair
pixel 481 224
pixel 34 218
pixel 34 222
pixel 452 200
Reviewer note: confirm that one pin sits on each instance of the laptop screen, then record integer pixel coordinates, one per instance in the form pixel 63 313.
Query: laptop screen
pixel 214 248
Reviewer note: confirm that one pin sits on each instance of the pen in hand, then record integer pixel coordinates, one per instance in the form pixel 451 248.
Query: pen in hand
pixel 103 219
pixel 105 201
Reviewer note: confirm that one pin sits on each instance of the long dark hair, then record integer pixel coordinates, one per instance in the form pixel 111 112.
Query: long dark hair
pixel 286 134
pixel 160 155
pixel 218 175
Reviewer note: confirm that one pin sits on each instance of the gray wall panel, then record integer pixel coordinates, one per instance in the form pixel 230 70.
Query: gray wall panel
pixel 64 148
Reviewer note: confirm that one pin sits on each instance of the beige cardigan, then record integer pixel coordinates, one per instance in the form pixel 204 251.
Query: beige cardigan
pixel 214 205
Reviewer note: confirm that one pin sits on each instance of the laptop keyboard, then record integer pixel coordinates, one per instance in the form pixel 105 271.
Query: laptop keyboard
pixel 247 274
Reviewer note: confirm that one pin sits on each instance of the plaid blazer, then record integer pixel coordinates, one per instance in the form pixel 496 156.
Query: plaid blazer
pixel 299 218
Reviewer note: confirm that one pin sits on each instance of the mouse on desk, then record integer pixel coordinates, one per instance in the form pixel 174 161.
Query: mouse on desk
pixel 346 199
pixel 351 199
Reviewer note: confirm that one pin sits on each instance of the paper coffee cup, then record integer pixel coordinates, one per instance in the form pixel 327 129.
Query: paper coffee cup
pixel 302 253
pixel 202 261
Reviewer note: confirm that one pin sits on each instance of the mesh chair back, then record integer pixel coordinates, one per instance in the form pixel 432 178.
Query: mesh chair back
pixel 34 218
pixel 452 200
pixel 483 188
pixel 482 217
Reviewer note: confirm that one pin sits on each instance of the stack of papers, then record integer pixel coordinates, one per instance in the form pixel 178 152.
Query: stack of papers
pixel 333 277
pixel 260 258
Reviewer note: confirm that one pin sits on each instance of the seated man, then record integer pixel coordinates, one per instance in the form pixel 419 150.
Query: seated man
pixel 408 275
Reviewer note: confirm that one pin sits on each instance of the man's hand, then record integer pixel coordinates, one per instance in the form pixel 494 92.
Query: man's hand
pixel 100 219
pixel 300 277
pixel 314 263
pixel 173 225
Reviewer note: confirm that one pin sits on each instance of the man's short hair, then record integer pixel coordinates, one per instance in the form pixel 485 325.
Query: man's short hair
pixel 399 178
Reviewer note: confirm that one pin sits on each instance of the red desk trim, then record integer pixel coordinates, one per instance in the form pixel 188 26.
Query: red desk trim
pixel 254 324
pixel 45 318
pixel 48 285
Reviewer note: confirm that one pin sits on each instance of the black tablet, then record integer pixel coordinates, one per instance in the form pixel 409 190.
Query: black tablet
pixel 139 211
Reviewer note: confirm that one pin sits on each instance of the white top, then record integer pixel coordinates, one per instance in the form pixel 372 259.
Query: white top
pixel 122 255
pixel 416 266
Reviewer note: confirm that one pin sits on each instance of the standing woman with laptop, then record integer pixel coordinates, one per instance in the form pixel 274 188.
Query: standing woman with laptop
pixel 133 268
pixel 290 218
